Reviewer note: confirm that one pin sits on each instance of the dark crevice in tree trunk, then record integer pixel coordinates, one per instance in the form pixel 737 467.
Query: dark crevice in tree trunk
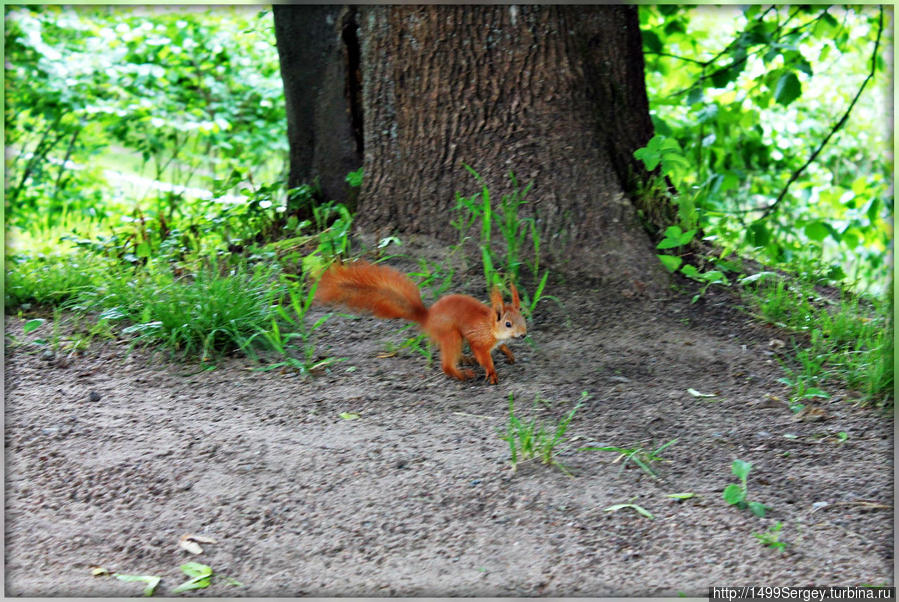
pixel 352 52
pixel 318 50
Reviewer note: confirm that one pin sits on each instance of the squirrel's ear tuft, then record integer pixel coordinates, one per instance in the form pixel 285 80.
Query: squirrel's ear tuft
pixel 496 301
pixel 516 302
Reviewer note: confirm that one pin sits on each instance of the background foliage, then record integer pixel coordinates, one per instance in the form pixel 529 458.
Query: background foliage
pixel 749 95
pixel 163 98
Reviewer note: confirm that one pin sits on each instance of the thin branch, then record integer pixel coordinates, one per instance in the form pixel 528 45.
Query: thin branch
pixel 65 160
pixel 41 150
pixel 745 58
pixel 677 56
pixel 795 175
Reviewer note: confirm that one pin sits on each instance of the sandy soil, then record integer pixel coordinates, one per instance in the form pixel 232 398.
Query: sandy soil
pixel 112 456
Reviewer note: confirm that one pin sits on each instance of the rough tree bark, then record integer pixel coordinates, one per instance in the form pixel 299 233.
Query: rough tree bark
pixel 319 58
pixel 554 93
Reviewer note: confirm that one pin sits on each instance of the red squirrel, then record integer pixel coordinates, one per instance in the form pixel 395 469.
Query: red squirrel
pixel 387 293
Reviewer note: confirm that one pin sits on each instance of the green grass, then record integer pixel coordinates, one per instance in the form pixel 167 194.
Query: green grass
pixel 51 280
pixel 515 231
pixel 532 440
pixel 204 315
pixel 642 457
pixel 288 333
pixel 848 341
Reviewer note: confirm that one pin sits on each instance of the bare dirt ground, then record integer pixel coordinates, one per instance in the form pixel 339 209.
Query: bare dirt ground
pixel 111 456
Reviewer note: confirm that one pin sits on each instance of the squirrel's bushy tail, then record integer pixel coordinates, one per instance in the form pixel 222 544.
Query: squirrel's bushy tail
pixel 377 289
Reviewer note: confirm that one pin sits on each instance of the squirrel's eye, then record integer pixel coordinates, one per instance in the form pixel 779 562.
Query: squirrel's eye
pixel 508 324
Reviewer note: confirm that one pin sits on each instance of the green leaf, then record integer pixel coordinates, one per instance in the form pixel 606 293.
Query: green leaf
pixel 757 234
pixel 151 580
pixel 681 496
pixel 639 509
pixel 668 243
pixel 814 392
pixel 196 569
pixel 757 508
pixel 195 583
pixel 651 41
pixel 788 89
pixel 741 468
pixel 690 271
pixel 354 178
pixel 816 231
pixel 675 27
pixel 651 153
pixel 722 77
pixel 714 276
pixel 694 96
pixel 734 494
pixel 349 415
pixel 674 237
pixel 671 262
pixel 32 325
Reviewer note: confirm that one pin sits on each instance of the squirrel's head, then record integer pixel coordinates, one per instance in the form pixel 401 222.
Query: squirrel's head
pixel 510 323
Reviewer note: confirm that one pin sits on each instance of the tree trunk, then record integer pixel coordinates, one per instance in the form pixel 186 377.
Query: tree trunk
pixel 554 93
pixel 319 57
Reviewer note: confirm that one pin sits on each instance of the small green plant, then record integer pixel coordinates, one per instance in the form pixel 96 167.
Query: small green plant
pixel 200 578
pixel 300 357
pixel 640 456
pixel 514 229
pixel 735 494
pixel 531 440
pixel 354 178
pixel 433 277
pixel 333 222
pixel 675 237
pixel 418 343
pixel 771 537
pixel 32 325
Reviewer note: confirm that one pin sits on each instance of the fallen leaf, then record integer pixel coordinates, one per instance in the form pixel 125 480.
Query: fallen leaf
pixel 771 401
pixel 99 571
pixel 151 580
pixel 191 543
pixel 696 393
pixel 200 575
pixel 349 415
pixel 811 414
pixel 635 507
pixel 191 546
pixel 681 496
